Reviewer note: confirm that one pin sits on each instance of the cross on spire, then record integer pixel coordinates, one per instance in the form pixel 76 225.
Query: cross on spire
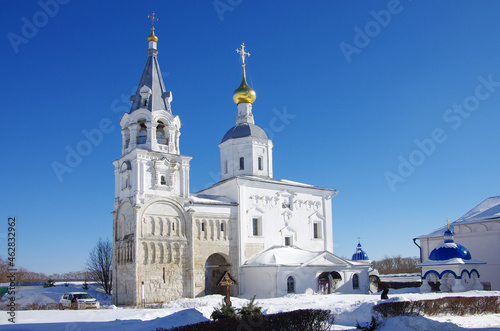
pixel 448 220
pixel 153 18
pixel 243 53
pixel 359 240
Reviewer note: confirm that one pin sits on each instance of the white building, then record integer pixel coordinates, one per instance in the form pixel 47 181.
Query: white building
pixel 273 236
pixel 479 231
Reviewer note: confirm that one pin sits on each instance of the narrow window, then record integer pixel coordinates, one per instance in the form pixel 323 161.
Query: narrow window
pixel 164 274
pixel 260 162
pixel 173 226
pixel 316 230
pixel 202 226
pixel 288 241
pixel 290 285
pixel 225 166
pixel 355 282
pixel 163 181
pixel 222 226
pixel 242 163
pixel 255 225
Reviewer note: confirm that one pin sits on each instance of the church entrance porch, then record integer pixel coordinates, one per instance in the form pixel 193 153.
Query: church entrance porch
pixel 328 282
pixel 215 266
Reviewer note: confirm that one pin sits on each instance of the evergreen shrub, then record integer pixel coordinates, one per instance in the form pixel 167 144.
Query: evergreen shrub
pixel 306 319
pixel 449 305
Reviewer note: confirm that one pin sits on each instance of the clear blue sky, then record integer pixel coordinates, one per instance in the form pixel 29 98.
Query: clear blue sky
pixel 359 101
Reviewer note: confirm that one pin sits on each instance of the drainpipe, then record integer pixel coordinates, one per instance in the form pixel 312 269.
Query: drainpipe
pixel 420 248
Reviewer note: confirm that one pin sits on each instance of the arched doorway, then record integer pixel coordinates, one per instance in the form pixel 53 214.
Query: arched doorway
pixel 328 282
pixel 215 267
pixel 324 283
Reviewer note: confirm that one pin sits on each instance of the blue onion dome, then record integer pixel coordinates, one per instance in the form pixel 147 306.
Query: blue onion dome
pixel 360 254
pixel 449 249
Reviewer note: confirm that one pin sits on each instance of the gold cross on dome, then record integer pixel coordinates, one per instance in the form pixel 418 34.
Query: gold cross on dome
pixel 448 220
pixel 243 53
pixel 359 240
pixel 153 18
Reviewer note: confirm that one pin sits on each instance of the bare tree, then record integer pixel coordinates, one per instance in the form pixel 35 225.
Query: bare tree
pixel 99 264
pixel 397 264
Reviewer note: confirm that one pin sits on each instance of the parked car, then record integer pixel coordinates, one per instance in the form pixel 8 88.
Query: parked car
pixel 78 300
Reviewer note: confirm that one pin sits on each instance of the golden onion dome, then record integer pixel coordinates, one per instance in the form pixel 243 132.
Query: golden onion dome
pixel 152 36
pixel 244 93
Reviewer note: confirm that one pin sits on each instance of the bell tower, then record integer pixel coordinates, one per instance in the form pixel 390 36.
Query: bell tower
pixel 151 164
pixel 151 189
pixel 245 149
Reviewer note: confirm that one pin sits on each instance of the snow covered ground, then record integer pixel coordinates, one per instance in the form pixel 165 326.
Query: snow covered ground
pixel 348 309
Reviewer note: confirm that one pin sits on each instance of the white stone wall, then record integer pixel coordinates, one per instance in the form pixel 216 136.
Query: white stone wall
pixel 214 232
pixel 124 284
pixel 163 268
pixel 282 210
pixel 124 254
pixel 283 213
pixel 271 281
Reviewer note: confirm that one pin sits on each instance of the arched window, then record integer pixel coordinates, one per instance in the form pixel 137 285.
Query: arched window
pixel 161 136
pixel 163 181
pixel 142 134
pixel 242 163
pixel 355 282
pixel 290 285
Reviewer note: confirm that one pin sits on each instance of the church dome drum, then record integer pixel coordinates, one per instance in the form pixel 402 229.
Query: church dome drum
pixel 244 130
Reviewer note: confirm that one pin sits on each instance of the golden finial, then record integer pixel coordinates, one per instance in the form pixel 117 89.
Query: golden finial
pixel 448 220
pixel 242 53
pixel 152 36
pixel 359 240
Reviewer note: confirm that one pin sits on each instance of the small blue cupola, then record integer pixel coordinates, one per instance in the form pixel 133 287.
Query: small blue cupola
pixel 360 254
pixel 449 249
pixel 450 267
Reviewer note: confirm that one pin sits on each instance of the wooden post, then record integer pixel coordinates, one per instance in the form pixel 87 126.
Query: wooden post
pixel 228 298
pixel 226 280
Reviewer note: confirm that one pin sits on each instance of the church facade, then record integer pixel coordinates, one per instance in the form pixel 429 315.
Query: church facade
pixel 273 236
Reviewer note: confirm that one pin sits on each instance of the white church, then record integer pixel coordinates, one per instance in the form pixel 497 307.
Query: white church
pixel 273 236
